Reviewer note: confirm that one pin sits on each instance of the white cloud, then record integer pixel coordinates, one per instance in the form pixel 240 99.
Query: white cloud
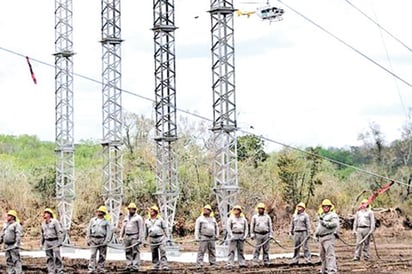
pixel 295 84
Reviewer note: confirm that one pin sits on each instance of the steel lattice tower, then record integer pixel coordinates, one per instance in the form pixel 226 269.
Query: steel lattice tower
pixel 65 180
pixel 224 106
pixel 112 108
pixel 165 109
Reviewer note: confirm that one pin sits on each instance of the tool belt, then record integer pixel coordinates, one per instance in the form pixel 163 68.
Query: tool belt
pixel 51 239
pixel 131 234
pixel 323 235
pixel 156 236
pixel 363 226
pixel 261 233
pixel 98 237
pixel 209 236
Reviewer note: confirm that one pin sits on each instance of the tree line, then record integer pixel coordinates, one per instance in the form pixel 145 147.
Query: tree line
pixel 280 179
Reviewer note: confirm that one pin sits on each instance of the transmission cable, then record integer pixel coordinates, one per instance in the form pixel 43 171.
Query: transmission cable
pixel 346 44
pixel 324 157
pixel 390 65
pixel 379 25
pixel 238 129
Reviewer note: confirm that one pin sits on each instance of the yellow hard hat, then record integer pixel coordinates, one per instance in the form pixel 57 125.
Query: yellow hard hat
pixel 12 213
pixel 102 209
pixel 327 202
pixel 49 210
pixel 155 208
pixel 132 205
pixel 237 207
pixel 208 207
pixel 364 201
pixel 302 205
pixel 261 205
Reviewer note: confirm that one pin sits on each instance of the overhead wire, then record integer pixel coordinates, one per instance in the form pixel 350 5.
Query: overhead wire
pixel 325 158
pixel 210 120
pixel 379 25
pixel 346 44
pixel 390 66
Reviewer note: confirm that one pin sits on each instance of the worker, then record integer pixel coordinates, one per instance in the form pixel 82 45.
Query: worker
pixel 51 240
pixel 11 237
pixel 261 232
pixel 237 231
pixel 132 233
pixel 300 231
pixel 99 234
pixel 326 233
pixel 363 227
pixel 206 232
pixel 156 230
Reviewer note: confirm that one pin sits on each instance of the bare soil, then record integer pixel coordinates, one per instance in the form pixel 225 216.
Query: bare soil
pixel 393 254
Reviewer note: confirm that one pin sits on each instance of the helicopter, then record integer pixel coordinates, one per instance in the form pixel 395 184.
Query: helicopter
pixel 267 13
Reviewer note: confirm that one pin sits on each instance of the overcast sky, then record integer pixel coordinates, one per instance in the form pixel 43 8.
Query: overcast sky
pixel 294 83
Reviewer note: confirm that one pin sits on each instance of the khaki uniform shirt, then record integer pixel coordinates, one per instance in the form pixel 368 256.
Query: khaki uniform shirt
pixel 206 226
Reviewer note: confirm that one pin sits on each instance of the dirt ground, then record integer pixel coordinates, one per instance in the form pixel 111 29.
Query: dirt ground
pixel 393 254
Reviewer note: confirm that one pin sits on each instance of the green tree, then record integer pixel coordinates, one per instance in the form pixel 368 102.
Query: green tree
pixel 251 148
pixel 299 175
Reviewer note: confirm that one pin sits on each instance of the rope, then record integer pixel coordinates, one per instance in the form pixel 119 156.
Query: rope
pixel 376 249
pixel 302 243
pixel 278 243
pixel 14 247
pixel 345 242
pixel 354 245
pixel 259 245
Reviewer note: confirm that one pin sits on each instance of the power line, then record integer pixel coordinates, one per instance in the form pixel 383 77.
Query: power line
pixel 210 120
pixel 390 66
pixel 347 44
pixel 325 158
pixel 379 25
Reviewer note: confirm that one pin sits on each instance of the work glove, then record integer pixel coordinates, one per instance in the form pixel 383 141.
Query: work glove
pixel 252 236
pixel 323 223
